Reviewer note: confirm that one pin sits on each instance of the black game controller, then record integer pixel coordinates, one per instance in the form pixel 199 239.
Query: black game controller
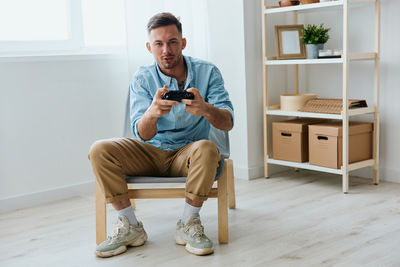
pixel 177 95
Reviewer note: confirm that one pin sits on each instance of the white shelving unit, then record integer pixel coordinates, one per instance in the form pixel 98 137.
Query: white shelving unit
pixel 340 6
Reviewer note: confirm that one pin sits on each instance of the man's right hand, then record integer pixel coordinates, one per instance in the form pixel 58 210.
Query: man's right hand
pixel 159 107
pixel 147 125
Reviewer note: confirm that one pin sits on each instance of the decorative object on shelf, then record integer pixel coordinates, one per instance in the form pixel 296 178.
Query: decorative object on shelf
pixel 314 37
pixel 288 44
pixel 269 7
pixel 337 52
pixel 303 2
pixel 329 53
pixel 288 3
pixel 331 105
pixel 293 102
pixel 312 50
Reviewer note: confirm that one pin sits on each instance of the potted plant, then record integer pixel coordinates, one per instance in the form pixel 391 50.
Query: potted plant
pixel 314 38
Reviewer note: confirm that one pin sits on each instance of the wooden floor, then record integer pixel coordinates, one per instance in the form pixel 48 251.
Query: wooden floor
pixel 293 219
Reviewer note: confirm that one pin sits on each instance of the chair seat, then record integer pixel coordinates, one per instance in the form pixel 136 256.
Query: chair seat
pixel 153 179
pixel 165 179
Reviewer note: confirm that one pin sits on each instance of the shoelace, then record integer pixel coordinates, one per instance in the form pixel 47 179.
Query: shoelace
pixel 116 231
pixel 198 229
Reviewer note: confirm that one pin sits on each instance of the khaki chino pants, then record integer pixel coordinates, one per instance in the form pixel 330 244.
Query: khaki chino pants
pixel 112 159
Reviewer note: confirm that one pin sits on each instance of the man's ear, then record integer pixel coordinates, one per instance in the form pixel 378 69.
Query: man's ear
pixel 183 43
pixel 148 46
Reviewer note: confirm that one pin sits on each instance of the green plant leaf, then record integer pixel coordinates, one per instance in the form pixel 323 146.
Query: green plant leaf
pixel 313 34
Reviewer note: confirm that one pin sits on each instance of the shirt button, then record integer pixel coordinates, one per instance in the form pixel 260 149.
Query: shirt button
pixel 179 118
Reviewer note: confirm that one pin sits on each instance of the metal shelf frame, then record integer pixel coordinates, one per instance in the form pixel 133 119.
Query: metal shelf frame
pixel 340 6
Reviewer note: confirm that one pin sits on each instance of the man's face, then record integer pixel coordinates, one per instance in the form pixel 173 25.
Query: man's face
pixel 166 45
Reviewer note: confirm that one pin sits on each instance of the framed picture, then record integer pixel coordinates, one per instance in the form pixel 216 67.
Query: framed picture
pixel 288 43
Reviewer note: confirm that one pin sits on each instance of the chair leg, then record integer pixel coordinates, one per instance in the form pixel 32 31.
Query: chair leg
pixel 223 232
pixel 100 215
pixel 231 184
pixel 130 186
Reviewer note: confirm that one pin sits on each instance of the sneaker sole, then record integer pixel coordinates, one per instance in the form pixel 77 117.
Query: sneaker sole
pixel 136 243
pixel 139 242
pixel 197 251
pixel 111 253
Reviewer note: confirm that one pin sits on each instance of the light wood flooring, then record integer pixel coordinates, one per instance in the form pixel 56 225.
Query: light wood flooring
pixel 292 219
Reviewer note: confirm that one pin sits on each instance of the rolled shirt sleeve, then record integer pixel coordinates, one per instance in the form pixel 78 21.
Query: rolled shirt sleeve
pixel 140 100
pixel 217 94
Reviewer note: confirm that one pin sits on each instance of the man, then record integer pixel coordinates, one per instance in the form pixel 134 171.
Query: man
pixel 170 138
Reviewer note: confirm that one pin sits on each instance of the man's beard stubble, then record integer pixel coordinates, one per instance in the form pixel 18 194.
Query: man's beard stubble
pixel 174 64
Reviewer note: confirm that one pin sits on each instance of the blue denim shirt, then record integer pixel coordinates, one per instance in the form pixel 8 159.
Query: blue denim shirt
pixel 177 128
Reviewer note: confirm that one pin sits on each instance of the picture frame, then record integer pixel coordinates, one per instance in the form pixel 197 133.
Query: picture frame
pixel 288 43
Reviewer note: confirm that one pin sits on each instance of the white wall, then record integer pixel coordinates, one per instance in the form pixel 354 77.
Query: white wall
pixel 227 51
pixel 254 96
pixel 51 111
pixel 236 49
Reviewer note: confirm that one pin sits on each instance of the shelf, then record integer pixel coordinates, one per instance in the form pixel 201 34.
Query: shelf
pixel 300 8
pixel 308 166
pixel 279 112
pixel 310 7
pixel 352 57
pixel 338 8
pixel 304 165
pixel 352 112
pixel 304 61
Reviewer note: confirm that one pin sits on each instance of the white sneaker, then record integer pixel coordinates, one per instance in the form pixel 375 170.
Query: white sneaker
pixel 122 236
pixel 192 236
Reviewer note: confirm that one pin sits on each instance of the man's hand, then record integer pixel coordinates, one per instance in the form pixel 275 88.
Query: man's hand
pixel 219 118
pixel 196 106
pixel 147 125
pixel 159 107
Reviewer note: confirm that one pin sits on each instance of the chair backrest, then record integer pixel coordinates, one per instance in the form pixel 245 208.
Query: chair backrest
pixel 219 137
pixel 127 122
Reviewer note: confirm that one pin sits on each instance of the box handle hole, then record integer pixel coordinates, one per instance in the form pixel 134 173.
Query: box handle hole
pixel 322 137
pixel 286 134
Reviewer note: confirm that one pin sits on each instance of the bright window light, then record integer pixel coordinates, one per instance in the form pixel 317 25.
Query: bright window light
pixel 32 26
pixel 34 20
pixel 104 22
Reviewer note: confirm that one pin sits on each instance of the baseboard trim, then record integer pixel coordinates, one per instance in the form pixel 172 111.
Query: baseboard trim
pixel 256 172
pixel 389 175
pixel 46 196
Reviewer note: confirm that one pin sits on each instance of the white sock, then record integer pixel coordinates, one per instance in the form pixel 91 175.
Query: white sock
pixel 130 215
pixel 188 211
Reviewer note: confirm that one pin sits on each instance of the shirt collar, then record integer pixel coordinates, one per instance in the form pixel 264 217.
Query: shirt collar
pixel 167 79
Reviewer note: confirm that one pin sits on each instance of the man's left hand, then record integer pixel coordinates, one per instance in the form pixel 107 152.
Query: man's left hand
pixel 196 106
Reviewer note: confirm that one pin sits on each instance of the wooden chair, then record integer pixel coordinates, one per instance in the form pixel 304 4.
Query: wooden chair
pixel 224 191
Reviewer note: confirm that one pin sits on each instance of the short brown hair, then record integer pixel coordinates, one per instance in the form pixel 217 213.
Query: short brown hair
pixel 163 19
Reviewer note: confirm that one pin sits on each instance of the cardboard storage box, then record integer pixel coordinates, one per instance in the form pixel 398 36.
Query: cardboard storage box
pixel 325 143
pixel 290 139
